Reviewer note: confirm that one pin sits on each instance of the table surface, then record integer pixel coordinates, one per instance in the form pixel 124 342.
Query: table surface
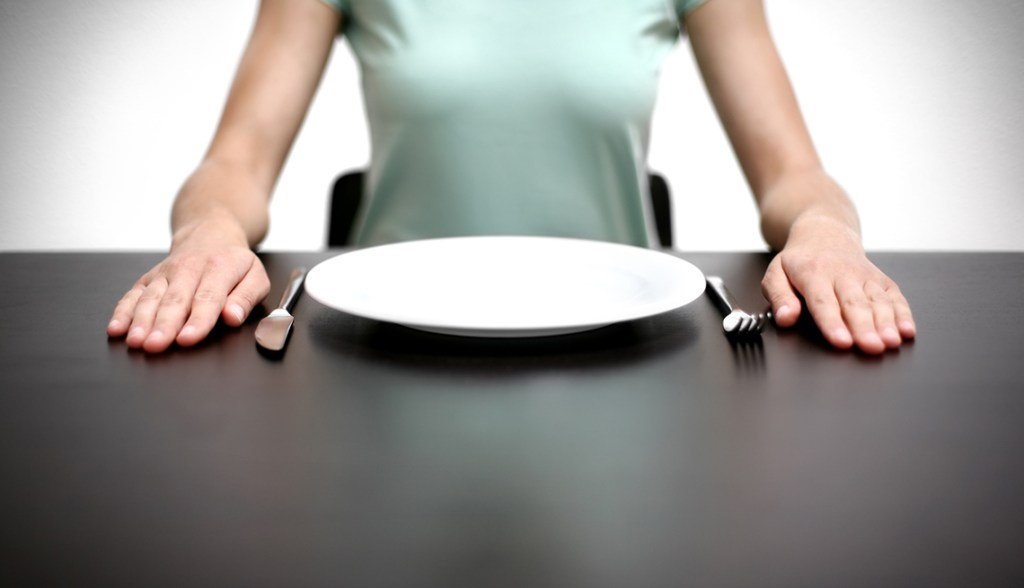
pixel 652 453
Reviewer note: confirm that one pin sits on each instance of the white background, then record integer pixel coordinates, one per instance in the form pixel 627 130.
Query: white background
pixel 915 105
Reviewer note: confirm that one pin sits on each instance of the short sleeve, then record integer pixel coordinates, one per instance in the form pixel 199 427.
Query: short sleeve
pixel 343 7
pixel 684 7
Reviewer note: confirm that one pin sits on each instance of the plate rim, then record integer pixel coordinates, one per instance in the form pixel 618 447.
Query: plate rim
pixel 649 309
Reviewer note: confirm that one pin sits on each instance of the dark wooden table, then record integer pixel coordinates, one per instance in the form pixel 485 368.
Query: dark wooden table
pixel 652 453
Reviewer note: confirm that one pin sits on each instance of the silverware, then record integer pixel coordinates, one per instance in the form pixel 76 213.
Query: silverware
pixel 736 321
pixel 272 332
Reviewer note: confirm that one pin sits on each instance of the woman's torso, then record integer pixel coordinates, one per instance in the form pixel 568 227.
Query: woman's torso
pixel 508 116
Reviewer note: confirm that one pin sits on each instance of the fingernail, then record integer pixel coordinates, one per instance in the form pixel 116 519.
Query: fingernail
pixel 237 312
pixel 908 326
pixel 155 336
pixel 187 332
pixel 891 334
pixel 874 340
pixel 843 336
pixel 136 333
pixel 783 310
pixel 114 324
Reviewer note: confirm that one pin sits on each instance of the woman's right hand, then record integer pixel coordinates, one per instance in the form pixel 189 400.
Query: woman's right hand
pixel 210 272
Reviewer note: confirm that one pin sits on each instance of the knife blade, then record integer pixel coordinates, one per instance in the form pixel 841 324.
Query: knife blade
pixel 273 330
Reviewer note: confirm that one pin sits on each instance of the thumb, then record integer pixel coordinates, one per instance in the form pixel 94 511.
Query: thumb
pixel 249 292
pixel 780 294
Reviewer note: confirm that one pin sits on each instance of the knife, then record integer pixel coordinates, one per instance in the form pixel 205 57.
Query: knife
pixel 272 332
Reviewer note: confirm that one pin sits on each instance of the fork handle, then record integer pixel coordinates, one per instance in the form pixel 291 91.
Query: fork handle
pixel 721 295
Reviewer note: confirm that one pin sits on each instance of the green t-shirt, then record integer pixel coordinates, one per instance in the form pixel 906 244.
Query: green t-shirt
pixel 509 117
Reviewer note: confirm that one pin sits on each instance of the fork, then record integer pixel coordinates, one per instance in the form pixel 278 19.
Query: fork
pixel 736 321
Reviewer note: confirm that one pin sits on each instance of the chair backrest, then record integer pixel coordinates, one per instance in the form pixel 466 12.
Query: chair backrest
pixel 347 195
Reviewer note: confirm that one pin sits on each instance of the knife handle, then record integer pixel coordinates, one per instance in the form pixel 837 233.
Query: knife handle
pixel 722 296
pixel 294 286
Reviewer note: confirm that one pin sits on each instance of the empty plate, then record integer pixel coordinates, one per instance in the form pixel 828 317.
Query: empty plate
pixel 505 286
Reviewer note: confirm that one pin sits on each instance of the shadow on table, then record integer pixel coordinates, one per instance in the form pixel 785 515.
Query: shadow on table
pixel 615 345
pixel 747 354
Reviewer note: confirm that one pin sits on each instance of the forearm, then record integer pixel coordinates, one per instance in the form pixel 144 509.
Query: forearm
pixel 222 198
pixel 805 203
pixel 277 77
pixel 753 96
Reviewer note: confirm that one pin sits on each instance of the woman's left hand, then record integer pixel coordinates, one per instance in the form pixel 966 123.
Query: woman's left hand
pixel 805 215
pixel 852 301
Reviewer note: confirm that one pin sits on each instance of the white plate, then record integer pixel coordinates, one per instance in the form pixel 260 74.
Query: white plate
pixel 504 286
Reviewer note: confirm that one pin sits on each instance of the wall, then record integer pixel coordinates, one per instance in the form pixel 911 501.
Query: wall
pixel 106 105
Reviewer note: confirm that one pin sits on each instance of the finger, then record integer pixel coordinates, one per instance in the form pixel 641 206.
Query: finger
pixel 145 312
pixel 901 308
pixel 208 300
pixel 779 292
pixel 172 312
pixel 253 288
pixel 859 315
pixel 211 298
pixel 823 305
pixel 121 319
pixel 884 315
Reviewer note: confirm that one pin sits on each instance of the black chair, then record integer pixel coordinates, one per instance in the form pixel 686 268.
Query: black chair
pixel 347 194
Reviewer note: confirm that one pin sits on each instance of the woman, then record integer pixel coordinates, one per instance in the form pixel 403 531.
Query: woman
pixel 525 117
